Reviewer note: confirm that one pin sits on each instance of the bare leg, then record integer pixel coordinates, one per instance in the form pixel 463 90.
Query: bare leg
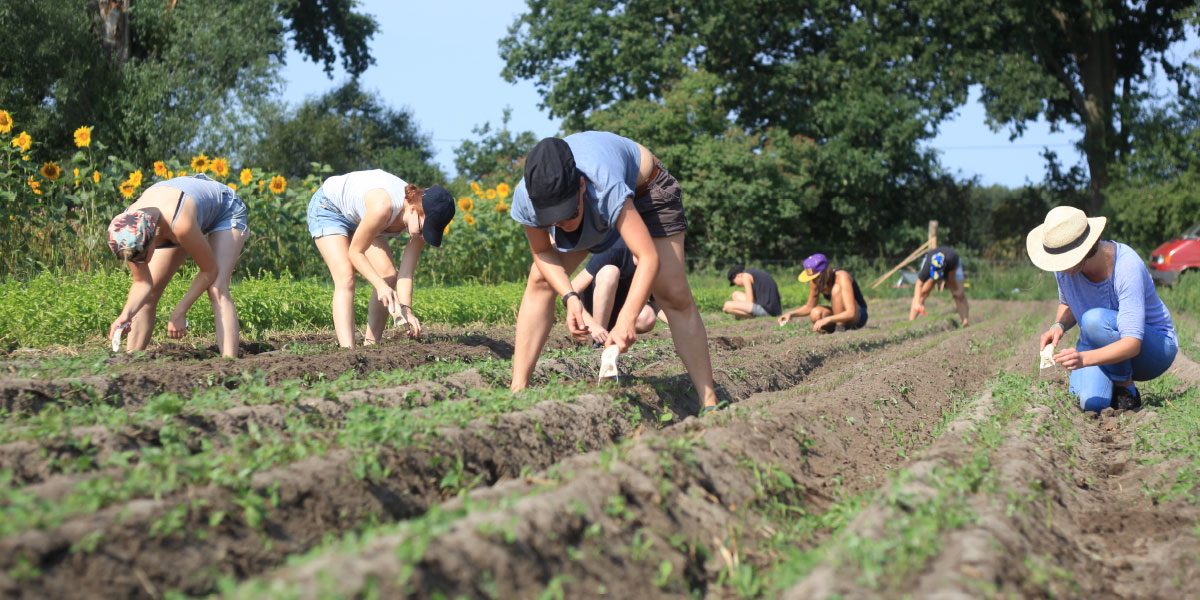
pixel 163 266
pixel 535 318
pixel 674 297
pixel 645 320
pixel 960 297
pixel 820 312
pixel 335 249
pixel 739 308
pixel 226 247
pixel 380 256
pixel 605 294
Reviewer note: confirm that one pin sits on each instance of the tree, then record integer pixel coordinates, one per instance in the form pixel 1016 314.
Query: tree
pixel 349 130
pixel 495 149
pixel 151 76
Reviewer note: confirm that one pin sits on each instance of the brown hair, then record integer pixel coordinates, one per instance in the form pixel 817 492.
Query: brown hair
pixel 413 195
pixel 127 254
pixel 824 281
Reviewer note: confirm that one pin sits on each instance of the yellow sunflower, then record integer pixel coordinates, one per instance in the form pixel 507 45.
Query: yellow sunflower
pixel 96 176
pixel 181 173
pixel 23 141
pixel 466 204
pixel 136 178
pixel 5 121
pixel 200 163
pixel 491 194
pixel 83 137
pixel 127 189
pixel 278 184
pixel 469 220
pixel 501 207
pixel 160 168
pixel 503 190
pixel 76 177
pixel 35 186
pixel 220 166
pixel 246 176
pixel 475 188
pixel 51 171
pixel 232 186
pixel 447 228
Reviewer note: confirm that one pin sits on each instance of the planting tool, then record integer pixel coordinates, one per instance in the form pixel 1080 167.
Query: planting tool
pixel 116 339
pixel 1047 356
pixel 398 318
pixel 608 363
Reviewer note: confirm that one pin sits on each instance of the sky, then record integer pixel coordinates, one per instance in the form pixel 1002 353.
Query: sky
pixel 441 61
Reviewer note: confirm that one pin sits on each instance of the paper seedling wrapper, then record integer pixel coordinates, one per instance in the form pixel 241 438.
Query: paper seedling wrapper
pixel 608 363
pixel 1047 356
pixel 116 339
pixel 398 318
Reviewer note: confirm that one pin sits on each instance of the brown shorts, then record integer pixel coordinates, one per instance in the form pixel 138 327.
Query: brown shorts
pixel 661 204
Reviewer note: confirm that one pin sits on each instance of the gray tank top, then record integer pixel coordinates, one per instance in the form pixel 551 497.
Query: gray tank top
pixel 213 199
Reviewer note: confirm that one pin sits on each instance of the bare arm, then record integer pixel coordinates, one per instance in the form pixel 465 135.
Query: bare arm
pixel 139 290
pixel 846 291
pixel 641 245
pixel 747 282
pixel 808 306
pixel 404 283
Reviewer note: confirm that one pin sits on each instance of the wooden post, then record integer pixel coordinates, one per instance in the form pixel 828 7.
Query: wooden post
pixel 933 235
pixel 911 257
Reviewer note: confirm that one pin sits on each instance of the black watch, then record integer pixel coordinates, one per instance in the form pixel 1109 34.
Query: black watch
pixel 567 296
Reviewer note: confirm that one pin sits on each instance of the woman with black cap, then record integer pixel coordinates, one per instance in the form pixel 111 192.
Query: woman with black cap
pixel 1125 332
pixel 579 195
pixel 350 218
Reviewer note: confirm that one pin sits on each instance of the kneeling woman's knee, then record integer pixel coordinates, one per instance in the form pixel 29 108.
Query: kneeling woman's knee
pixel 1097 324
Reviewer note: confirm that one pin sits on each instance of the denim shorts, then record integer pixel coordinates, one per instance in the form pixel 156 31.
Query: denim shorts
pixel 234 216
pixel 758 310
pixel 324 219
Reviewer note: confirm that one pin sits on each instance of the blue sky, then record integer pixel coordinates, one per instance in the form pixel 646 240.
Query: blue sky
pixel 440 60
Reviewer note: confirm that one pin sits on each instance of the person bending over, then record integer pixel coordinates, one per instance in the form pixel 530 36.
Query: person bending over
pixel 172 220
pixel 350 218
pixel 580 194
pixel 759 296
pixel 847 308
pixel 603 285
pixel 1125 331
pixel 941 264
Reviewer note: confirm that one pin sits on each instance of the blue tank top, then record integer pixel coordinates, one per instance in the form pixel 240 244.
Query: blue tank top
pixel 213 199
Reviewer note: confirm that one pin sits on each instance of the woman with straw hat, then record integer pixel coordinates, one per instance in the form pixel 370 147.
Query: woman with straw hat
pixel 1125 331
pixel 847 308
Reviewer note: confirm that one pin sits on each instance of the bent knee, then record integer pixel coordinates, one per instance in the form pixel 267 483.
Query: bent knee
pixel 608 273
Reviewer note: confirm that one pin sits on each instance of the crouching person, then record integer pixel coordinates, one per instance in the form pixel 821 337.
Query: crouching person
pixel 759 296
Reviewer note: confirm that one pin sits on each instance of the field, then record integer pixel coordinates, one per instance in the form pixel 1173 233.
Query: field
pixel 915 459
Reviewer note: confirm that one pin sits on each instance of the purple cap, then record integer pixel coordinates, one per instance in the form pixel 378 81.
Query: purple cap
pixel 813 266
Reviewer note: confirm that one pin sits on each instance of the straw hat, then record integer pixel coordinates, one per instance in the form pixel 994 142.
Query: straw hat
pixel 1063 239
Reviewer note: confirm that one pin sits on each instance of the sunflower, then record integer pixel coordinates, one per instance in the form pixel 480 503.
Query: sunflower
pixel 501 207
pixel 35 186
pixel 96 176
pixel 246 176
pixel 51 171
pixel 136 178
pixel 475 188
pixel 77 177
pixel 5 121
pixel 23 141
pixel 127 189
pixel 469 220
pixel 278 184
pixel 503 190
pixel 466 204
pixel 491 194
pixel 447 227
pixel 232 186
pixel 83 137
pixel 200 163
pixel 220 166
pixel 181 173
pixel 160 168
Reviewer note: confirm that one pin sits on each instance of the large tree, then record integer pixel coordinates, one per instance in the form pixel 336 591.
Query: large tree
pixel 151 76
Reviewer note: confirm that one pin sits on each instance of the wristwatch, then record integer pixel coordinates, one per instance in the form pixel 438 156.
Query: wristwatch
pixel 567 296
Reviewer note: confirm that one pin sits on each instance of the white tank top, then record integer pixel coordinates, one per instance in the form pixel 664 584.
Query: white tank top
pixel 348 192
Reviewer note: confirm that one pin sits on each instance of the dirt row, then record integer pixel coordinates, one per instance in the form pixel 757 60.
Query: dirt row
pixel 321 495
pixel 672 513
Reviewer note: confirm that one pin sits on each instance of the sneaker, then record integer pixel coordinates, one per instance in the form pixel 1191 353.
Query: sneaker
pixel 1126 398
pixel 708 409
pixel 840 328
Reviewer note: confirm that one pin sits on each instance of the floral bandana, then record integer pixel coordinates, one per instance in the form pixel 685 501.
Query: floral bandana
pixel 131 230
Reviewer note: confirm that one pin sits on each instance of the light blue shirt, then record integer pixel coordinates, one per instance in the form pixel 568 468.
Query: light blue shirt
pixel 212 198
pixel 1129 291
pixel 610 165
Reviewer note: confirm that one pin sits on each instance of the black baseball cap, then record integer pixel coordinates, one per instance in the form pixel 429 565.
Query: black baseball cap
pixel 733 271
pixel 552 181
pixel 439 209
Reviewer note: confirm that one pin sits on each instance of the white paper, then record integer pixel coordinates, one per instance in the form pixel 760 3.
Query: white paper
pixel 116 341
pixel 1048 356
pixel 608 363
pixel 398 317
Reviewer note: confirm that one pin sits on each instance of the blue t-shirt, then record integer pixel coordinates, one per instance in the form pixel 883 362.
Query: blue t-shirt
pixel 610 164
pixel 1129 291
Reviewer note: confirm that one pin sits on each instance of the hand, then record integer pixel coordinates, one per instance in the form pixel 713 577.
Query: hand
pixel 622 336
pixel 599 334
pixel 387 297
pixel 783 320
pixel 820 324
pixel 1070 358
pixel 575 322
pixel 177 327
pixel 1051 337
pixel 118 326
pixel 414 326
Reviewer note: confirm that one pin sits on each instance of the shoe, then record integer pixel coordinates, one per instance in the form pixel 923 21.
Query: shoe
pixel 840 328
pixel 1126 398
pixel 708 409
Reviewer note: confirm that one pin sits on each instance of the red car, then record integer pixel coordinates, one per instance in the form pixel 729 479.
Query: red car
pixel 1171 259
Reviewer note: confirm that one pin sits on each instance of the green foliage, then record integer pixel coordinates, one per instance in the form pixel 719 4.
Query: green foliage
pixel 498 151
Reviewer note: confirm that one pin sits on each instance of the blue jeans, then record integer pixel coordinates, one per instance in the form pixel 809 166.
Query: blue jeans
pixel 1094 385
